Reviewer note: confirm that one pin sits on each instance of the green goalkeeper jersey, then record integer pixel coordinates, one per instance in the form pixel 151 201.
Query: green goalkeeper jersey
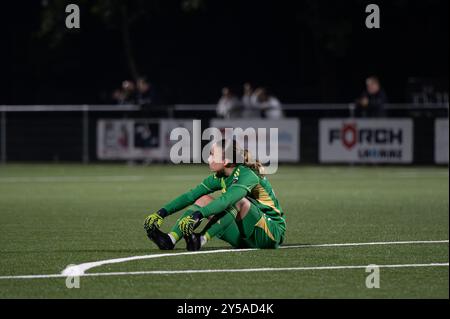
pixel 243 182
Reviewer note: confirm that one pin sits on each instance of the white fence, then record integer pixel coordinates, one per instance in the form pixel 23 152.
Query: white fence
pixel 85 117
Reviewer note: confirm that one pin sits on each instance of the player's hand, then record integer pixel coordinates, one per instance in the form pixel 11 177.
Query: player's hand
pixel 189 223
pixel 154 220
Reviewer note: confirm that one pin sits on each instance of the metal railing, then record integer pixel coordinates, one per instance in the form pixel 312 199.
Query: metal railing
pixel 318 106
pixel 170 111
pixel 85 109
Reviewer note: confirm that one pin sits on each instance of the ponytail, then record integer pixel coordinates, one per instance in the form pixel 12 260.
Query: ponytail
pixel 254 165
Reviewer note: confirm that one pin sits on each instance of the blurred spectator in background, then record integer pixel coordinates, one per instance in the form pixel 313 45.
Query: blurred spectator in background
pixel 269 104
pixel 250 110
pixel 118 96
pixel 141 93
pixel 372 100
pixel 126 94
pixel 228 105
pixel 144 92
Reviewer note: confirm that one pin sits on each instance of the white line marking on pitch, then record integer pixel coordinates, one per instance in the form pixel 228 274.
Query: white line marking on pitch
pixel 82 268
pixel 79 270
pixel 203 271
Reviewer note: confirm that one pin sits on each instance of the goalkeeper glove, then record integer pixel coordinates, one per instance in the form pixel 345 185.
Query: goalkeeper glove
pixel 155 220
pixel 189 223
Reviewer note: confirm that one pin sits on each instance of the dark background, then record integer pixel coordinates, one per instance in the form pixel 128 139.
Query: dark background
pixel 305 50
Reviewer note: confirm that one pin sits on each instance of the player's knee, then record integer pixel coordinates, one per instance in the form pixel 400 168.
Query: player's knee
pixel 204 200
pixel 243 206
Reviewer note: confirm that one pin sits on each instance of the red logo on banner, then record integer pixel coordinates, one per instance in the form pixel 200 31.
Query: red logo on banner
pixel 349 135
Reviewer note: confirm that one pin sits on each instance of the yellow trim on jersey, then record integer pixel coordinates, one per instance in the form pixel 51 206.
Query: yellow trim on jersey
pixel 263 224
pixel 264 198
pixel 203 184
pixel 243 186
pixel 223 184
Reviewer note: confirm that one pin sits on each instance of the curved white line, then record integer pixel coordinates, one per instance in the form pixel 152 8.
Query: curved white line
pixel 78 270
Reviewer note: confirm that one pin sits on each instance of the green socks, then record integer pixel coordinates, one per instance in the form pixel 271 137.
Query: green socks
pixel 219 223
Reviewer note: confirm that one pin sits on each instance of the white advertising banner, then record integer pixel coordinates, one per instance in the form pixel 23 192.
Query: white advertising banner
pixel 366 141
pixel 441 141
pixel 167 125
pixel 129 139
pixel 136 138
pixel 288 134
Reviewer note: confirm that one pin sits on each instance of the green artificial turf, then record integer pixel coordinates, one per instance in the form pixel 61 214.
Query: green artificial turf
pixel 55 215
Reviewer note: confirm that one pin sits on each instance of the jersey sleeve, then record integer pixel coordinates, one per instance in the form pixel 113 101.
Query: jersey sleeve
pixel 207 186
pixel 246 179
pixel 221 203
pixel 243 183
pixel 211 183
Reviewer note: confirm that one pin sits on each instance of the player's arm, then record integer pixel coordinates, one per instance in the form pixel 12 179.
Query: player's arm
pixel 231 197
pixel 209 185
pixel 186 199
pixel 243 185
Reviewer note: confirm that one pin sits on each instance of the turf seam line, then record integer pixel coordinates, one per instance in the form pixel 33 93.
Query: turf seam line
pixel 72 179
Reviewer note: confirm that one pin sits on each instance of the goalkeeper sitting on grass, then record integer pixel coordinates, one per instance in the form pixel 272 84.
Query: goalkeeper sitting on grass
pixel 247 214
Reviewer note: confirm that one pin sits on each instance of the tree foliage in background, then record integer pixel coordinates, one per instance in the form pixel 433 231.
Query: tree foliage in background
pixel 330 35
pixel 113 14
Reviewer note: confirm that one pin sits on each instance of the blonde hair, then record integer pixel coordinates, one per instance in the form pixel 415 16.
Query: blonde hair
pixel 239 155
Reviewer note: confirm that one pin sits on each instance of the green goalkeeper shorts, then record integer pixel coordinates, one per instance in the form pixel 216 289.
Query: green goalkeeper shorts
pixel 259 231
